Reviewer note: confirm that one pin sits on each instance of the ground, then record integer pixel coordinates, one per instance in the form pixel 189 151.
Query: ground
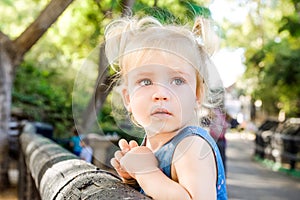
pixel 12 192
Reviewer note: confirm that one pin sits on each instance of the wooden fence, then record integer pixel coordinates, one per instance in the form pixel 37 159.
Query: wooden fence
pixel 47 171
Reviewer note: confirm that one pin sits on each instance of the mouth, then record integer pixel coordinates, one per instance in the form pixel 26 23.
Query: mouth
pixel 161 111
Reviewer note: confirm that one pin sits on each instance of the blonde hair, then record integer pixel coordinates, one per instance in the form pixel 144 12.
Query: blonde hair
pixel 133 39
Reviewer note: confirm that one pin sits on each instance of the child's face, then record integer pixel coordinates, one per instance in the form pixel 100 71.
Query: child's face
pixel 161 92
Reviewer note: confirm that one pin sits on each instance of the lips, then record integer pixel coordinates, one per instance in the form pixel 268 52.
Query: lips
pixel 161 111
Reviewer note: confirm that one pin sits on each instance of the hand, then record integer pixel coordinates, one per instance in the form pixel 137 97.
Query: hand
pixel 115 162
pixel 139 160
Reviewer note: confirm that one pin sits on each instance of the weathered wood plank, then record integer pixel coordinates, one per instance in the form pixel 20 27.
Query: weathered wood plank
pixel 58 174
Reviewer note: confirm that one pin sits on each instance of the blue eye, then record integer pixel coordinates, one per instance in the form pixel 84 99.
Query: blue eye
pixel 178 81
pixel 145 82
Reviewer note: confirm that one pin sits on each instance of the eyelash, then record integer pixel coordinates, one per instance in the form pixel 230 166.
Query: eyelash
pixel 142 82
pixel 182 81
pixel 174 81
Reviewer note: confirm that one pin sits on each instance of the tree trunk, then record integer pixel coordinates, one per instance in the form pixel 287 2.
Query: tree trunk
pixel 6 78
pixel 35 31
pixel 127 7
pixel 103 83
pixel 11 55
pixel 101 91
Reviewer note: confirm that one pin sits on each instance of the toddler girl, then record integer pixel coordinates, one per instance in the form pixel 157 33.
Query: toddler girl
pixel 164 83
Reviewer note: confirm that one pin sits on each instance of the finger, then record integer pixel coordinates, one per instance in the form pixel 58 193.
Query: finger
pixel 122 173
pixel 118 155
pixel 133 144
pixel 123 144
pixel 115 163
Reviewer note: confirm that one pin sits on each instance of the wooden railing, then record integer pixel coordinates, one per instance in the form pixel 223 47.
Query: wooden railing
pixel 48 171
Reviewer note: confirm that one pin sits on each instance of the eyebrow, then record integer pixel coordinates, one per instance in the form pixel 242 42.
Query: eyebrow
pixel 149 72
pixel 139 74
pixel 181 73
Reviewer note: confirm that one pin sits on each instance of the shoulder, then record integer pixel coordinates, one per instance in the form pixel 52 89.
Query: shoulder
pixel 195 166
pixel 195 151
pixel 193 138
pixel 193 147
pixel 195 131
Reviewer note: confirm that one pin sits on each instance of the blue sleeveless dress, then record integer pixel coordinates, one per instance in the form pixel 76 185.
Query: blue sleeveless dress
pixel 165 154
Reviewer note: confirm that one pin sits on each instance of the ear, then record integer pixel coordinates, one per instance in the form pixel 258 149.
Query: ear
pixel 199 90
pixel 126 99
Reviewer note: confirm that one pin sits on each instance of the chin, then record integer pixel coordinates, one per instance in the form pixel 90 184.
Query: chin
pixel 161 128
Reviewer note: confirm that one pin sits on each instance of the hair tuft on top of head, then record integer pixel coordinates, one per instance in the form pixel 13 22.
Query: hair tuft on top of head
pixel 206 37
pixel 120 31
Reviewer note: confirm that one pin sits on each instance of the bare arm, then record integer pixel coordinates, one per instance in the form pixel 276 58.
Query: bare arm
pixel 194 165
pixel 157 185
pixel 142 165
pixel 195 169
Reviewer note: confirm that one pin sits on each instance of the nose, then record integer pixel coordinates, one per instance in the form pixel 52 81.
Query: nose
pixel 161 94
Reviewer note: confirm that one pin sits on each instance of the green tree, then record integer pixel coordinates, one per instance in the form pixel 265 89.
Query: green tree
pixel 277 66
pixel 270 37
pixel 42 95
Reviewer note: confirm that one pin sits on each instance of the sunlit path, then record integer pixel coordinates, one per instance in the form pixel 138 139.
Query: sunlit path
pixel 249 180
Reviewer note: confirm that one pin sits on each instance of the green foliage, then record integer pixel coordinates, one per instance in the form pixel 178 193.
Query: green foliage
pixel 44 82
pixel 270 36
pixel 278 72
pixel 196 10
pixel 167 11
pixel 292 24
pixel 7 2
pixel 16 15
pixel 162 14
pixel 43 95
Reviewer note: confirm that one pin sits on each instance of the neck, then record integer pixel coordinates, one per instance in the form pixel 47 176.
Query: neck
pixel 156 141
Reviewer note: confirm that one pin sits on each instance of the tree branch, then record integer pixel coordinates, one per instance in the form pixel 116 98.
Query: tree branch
pixel 6 45
pixel 35 31
pixel 2 36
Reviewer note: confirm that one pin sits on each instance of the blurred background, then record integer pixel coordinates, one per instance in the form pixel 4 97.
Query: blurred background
pixel 258 61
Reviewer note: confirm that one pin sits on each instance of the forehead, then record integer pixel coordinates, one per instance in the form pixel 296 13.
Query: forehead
pixel 155 58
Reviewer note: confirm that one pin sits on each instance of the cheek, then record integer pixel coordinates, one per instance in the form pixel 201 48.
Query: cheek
pixel 187 99
pixel 139 98
pixel 137 92
pixel 187 104
pixel 186 93
pixel 140 107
